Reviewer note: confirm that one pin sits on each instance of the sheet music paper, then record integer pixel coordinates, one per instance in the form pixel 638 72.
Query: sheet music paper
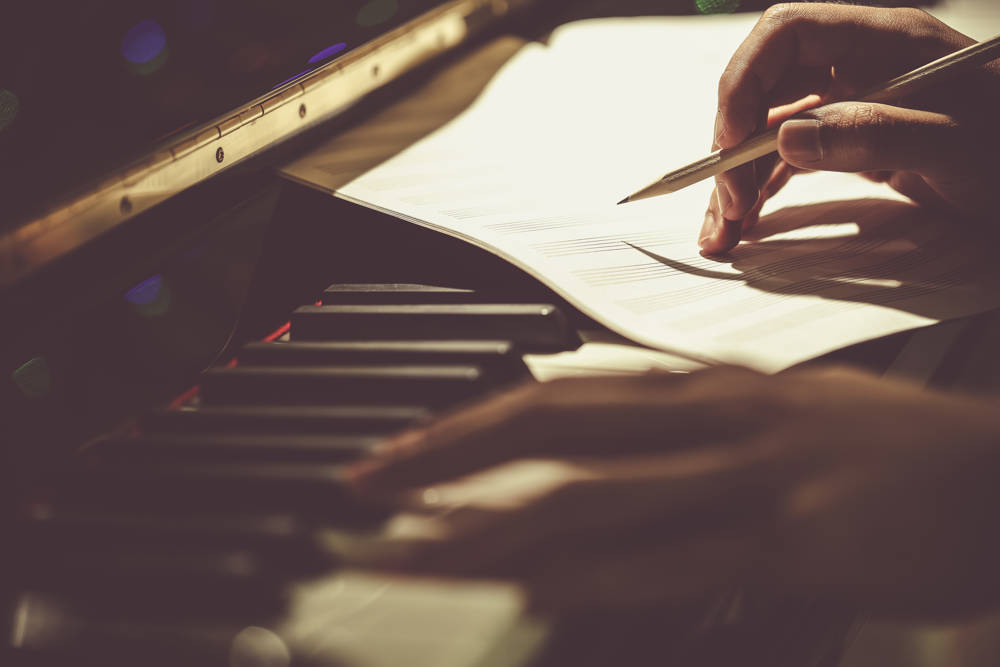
pixel 532 171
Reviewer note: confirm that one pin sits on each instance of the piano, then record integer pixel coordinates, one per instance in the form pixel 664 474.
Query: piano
pixel 193 347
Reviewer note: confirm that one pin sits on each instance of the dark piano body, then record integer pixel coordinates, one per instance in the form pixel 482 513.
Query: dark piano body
pixel 180 395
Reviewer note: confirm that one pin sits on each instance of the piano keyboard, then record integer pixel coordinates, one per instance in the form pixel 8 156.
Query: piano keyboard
pixel 180 541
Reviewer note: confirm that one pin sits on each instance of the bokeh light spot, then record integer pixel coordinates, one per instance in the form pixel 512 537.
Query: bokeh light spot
pixel 32 378
pixel 145 292
pixel 377 11
pixel 150 298
pixel 9 106
pixel 293 78
pixel 143 42
pixel 717 6
pixel 329 51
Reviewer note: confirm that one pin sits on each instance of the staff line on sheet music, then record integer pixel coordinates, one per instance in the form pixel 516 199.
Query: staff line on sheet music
pixel 484 211
pixel 605 243
pixel 847 248
pixel 775 270
pixel 910 260
pixel 848 245
pixel 778 270
pixel 546 224
pixel 423 198
pixel 873 295
pixel 536 224
pixel 455 180
pixel 790 320
pixel 657 236
pixel 618 275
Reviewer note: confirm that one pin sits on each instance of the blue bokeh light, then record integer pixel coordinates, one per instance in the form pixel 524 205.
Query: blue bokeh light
pixel 145 292
pixel 143 42
pixel 329 51
pixel 293 78
pixel 151 297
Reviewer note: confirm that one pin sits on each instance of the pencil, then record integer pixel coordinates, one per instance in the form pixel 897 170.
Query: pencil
pixel 766 142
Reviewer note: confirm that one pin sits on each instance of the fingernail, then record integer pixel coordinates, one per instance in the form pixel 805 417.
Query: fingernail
pixel 724 198
pixel 720 128
pixel 799 141
pixel 708 228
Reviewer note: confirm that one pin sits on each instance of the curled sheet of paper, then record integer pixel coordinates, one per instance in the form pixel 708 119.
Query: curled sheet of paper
pixel 532 171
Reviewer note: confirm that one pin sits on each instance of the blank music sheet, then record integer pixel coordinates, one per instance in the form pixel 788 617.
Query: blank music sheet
pixel 533 169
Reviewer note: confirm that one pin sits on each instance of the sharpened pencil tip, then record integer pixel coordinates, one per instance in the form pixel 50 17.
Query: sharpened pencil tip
pixel 624 201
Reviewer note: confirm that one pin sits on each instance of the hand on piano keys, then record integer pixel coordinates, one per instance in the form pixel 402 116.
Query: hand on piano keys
pixel 663 489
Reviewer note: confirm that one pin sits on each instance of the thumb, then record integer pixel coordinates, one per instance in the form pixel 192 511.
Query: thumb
pixel 860 136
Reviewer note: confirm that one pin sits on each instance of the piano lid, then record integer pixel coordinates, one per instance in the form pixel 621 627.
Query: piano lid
pixel 107 110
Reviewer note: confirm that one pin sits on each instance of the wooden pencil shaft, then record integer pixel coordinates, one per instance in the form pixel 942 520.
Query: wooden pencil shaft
pixel 935 71
pixel 766 142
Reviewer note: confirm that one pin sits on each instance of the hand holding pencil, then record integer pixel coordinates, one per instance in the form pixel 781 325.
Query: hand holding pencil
pixel 936 146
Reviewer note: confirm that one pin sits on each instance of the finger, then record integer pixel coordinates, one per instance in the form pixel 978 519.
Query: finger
pixel 859 137
pixel 772 173
pixel 780 175
pixel 791 36
pixel 801 83
pixel 916 188
pixel 609 501
pixel 577 416
pixel 877 176
pixel 779 114
pixel 716 238
pixel 739 193
pixel 763 171
pixel 718 235
pixel 668 574
pixel 735 193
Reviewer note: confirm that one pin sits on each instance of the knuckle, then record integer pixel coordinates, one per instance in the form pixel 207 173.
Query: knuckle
pixel 866 117
pixel 727 83
pixel 859 128
pixel 925 33
pixel 915 19
pixel 779 13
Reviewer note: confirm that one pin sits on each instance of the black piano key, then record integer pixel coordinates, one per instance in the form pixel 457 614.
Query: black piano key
pixel 397 294
pixel 54 630
pixel 172 579
pixel 435 386
pixel 374 419
pixel 281 538
pixel 234 447
pixel 532 326
pixel 168 566
pixel 307 489
pixel 501 357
